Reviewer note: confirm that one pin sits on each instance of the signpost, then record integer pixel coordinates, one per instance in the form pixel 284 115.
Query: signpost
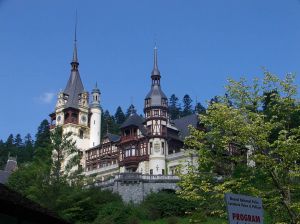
pixel 244 209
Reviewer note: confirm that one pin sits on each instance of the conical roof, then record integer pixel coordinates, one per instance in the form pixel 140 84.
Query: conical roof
pixel 74 86
pixel 73 89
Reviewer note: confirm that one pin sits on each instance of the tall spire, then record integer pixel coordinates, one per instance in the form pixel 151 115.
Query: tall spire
pixel 155 74
pixel 155 71
pixel 75 62
pixel 74 86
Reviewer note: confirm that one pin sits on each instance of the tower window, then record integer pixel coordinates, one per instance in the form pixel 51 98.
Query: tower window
pixel 81 134
pixel 148 114
pixel 151 171
pixel 156 112
pixel 150 148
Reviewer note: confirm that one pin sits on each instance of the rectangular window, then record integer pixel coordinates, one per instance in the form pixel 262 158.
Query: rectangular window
pixel 150 148
pixel 151 172
pixel 163 171
pixel 81 134
pixel 156 112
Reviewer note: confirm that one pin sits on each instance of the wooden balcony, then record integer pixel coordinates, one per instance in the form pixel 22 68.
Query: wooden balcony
pixel 133 161
pixel 128 138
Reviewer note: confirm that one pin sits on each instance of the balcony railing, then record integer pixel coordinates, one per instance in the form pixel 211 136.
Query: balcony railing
pixel 102 169
pixel 133 160
pixel 129 138
pixel 176 155
pixel 138 177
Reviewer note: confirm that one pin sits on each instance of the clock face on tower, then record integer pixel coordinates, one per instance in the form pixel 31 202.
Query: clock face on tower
pixel 59 118
pixel 83 118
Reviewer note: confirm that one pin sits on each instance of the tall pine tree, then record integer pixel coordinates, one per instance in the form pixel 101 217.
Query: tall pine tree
pixel 130 109
pixel 187 105
pixel 174 107
pixel 199 109
pixel 119 116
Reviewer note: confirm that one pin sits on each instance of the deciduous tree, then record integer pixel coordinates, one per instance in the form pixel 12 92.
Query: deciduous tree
pixel 246 150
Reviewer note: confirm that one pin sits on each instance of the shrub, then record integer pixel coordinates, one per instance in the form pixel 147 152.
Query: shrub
pixel 172 220
pixel 166 204
pixel 119 213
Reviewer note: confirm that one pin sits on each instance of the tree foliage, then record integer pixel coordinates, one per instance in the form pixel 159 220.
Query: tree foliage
pixel 251 145
pixel 187 105
pixel 174 107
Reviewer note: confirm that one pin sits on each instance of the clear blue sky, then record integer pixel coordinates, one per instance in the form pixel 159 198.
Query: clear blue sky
pixel 201 43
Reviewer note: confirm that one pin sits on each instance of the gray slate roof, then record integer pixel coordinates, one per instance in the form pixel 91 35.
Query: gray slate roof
pixel 156 94
pixel 112 137
pixel 183 123
pixel 73 89
pixel 135 120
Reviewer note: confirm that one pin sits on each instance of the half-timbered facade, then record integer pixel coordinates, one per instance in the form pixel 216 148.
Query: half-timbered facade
pixel 149 144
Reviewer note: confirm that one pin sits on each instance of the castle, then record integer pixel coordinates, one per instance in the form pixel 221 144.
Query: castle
pixel 151 145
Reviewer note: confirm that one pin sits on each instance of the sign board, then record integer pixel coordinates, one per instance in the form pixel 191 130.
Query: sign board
pixel 243 209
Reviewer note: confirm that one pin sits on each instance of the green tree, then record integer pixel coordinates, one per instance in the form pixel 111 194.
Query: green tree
pixel 199 109
pixel 174 107
pixel 109 124
pixel 18 142
pixel 10 141
pixel 187 105
pixel 119 116
pixel 131 109
pixel 248 151
pixel 43 134
pixel 65 156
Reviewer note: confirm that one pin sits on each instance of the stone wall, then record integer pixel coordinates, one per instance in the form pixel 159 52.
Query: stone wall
pixel 134 187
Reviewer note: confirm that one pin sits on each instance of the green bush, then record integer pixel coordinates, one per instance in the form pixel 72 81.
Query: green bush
pixel 172 220
pixel 119 213
pixel 166 204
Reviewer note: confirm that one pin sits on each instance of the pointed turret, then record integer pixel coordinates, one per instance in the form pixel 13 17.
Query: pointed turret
pixel 74 86
pixel 155 74
pixel 156 96
pixel 96 96
pixel 75 62
pixel 95 119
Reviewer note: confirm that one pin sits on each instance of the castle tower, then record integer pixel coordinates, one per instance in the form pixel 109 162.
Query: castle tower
pixel 156 109
pixel 72 107
pixel 95 120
